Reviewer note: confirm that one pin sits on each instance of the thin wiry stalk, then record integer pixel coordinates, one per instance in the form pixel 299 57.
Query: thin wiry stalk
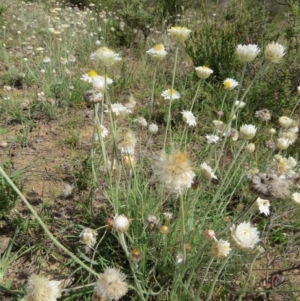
pixel 45 228
pixel 168 127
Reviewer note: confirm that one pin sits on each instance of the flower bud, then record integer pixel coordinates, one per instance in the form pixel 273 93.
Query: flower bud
pixel 121 223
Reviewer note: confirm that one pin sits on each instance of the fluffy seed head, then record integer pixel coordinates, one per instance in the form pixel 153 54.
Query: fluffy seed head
pixel 111 285
pixel 41 289
pixel 88 237
pixel 175 171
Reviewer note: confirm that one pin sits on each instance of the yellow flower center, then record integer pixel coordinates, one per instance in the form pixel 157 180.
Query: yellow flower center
pixel 92 73
pixel 171 91
pixel 205 68
pixel 226 84
pixel 179 158
pixel 158 47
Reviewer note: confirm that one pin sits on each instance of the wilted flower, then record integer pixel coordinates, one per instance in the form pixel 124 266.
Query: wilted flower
pixel 283 167
pixel 247 131
pixel 127 144
pixel 247 53
pixel 102 130
pixel 153 129
pixel 274 52
pixel 157 52
pixel 121 223
pixel 285 121
pixel 244 236
pixel 263 206
pixel 46 60
pixel 189 118
pixel 93 96
pixel 270 186
pixel 179 257
pixel 129 161
pixel 164 229
pixel 135 255
pixel 296 198
pixel 111 285
pixel 170 94
pixel 212 139
pixel 179 34
pixel 207 172
pixel 219 125
pixel 221 248
pixel 210 234
pixel 263 115
pixel 41 289
pixel 88 237
pixel 233 134
pixel 141 121
pixel 203 72
pixel 230 84
pixel 290 136
pixel 175 171
pixel 127 99
pixel 152 223
pixel 106 56
pixel 282 143
pixel 168 216
pixel 250 148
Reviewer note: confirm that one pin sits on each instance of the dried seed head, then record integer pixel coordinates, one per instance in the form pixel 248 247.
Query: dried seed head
pixel 270 186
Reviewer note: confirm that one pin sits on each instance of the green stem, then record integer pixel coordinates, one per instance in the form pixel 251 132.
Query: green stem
pixel 170 103
pixel 182 227
pixel 211 290
pixel 41 223
pixel 295 107
pixel 152 92
pixel 248 278
pixel 203 278
pixel 139 289
pixel 195 96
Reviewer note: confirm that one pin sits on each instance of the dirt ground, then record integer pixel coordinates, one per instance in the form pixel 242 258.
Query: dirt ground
pixel 49 160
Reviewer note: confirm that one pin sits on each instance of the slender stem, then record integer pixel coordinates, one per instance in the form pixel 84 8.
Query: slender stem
pixel 137 282
pixel 195 96
pixel 216 277
pixel 248 278
pixel 93 151
pixel 182 227
pixel 170 103
pixel 203 278
pixel 295 107
pixel 152 93
pixel 41 223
